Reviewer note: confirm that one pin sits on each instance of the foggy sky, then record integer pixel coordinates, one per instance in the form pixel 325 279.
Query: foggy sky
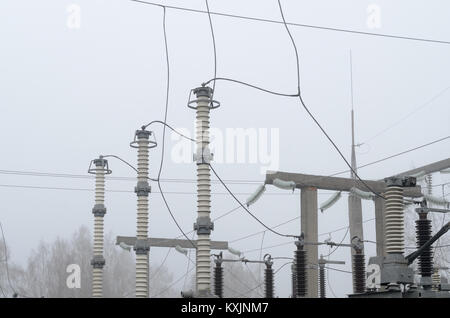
pixel 68 95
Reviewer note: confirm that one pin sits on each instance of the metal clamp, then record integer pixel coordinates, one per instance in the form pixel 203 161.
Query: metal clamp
pixel 100 162
pixel 141 247
pixel 99 210
pixel 203 91
pixel 98 261
pixel 143 134
pixel 142 189
pixel 203 225
pixel 206 157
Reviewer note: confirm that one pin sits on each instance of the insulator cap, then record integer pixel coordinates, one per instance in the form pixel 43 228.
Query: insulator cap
pixel 142 247
pixel 203 91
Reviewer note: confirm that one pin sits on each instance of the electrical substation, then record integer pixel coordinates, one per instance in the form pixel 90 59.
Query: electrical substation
pixel 387 274
pixel 391 269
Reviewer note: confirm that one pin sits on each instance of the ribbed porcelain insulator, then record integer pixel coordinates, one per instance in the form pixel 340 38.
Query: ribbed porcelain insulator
pixel 394 219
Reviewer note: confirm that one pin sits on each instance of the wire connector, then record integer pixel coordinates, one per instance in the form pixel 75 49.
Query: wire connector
pixel 204 225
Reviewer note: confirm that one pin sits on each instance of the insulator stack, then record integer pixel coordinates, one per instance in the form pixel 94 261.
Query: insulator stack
pixel 218 280
pixel 322 283
pixel 142 189
pixel 359 273
pixel 294 280
pixel 436 280
pixel 423 234
pixel 268 281
pixel 429 181
pixel 394 223
pixel 203 157
pixel 300 261
pixel 99 211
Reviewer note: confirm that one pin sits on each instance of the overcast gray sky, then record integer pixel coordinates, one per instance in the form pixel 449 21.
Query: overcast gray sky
pixel 68 95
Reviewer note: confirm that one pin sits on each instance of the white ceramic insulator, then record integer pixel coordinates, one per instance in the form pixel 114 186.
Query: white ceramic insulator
pixel 394 220
pixel 142 201
pixel 331 201
pixel 234 252
pixel 97 273
pixel 97 282
pixel 203 195
pixel 286 185
pixel 142 289
pixel 142 275
pixel 362 194
pixel 256 195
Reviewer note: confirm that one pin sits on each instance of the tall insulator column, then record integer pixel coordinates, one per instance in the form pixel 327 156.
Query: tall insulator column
pixel 322 283
pixel 359 272
pixel 143 144
pixel 218 277
pixel 359 266
pixel 394 219
pixel 100 169
pixel 203 157
pixel 300 263
pixel 268 277
pixel 423 234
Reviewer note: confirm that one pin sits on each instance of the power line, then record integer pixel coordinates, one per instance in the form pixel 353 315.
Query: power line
pixel 309 112
pixel 250 213
pixel 229 181
pixel 407 116
pixel 164 130
pixel 310 26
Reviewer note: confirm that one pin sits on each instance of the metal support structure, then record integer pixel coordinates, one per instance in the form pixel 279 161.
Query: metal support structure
pixel 379 226
pixel 203 157
pixel 143 144
pixel 309 227
pixel 98 261
pixel 322 281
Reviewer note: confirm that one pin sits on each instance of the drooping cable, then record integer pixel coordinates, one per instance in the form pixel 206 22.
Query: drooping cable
pixel 243 206
pixel 309 112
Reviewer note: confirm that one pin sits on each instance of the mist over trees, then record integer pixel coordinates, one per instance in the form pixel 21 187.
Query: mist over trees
pixel 45 273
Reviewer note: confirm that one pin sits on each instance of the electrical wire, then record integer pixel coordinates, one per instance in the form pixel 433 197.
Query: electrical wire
pixel 168 126
pixel 407 115
pixel 164 130
pixel 229 181
pixel 161 265
pixel 399 37
pixel 309 112
pixel 215 52
pixel 249 85
pixel 339 245
pixel 243 206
